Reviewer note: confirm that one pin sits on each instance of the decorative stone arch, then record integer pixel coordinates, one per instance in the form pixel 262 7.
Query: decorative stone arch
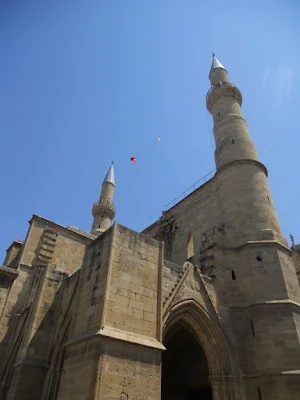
pixel 224 373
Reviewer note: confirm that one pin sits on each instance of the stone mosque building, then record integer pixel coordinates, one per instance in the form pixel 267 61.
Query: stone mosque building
pixel 203 304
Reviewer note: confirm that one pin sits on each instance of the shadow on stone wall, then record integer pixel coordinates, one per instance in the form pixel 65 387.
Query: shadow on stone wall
pixel 45 350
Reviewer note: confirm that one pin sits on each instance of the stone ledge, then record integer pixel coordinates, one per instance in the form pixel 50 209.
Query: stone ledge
pixel 121 335
pixel 33 362
pixel 253 243
pixel 267 303
pixel 275 373
pixel 8 272
pixel 16 241
pixel 131 338
pixel 71 229
pixel 241 161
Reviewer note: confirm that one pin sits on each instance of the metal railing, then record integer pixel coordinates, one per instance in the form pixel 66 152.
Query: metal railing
pixel 188 191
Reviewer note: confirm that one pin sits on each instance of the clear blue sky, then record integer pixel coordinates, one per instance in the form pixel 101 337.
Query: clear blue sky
pixel 86 82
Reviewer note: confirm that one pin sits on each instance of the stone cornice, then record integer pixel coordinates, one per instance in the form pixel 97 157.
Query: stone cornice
pixel 115 334
pixel 242 161
pixel 253 243
pixel 81 234
pixel 9 273
pixel 33 362
pixel 275 373
pixel 266 303
pixel 17 242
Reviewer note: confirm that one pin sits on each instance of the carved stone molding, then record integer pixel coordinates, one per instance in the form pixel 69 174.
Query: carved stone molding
pixel 223 89
pixel 215 379
pixel 166 233
pixel 55 371
pixel 104 207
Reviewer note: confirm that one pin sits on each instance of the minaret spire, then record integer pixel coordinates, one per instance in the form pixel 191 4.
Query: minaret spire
pixel 104 210
pixel 217 72
pixel 216 63
pixel 110 176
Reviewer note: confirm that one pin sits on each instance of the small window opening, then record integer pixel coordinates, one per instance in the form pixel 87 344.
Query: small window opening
pixel 99 226
pixel 268 199
pixel 190 246
pixel 232 141
pixel 259 393
pixel 219 115
pixel 233 275
pixel 258 258
pixel 252 327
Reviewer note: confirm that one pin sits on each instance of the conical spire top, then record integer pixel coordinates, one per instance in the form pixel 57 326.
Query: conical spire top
pixel 216 63
pixel 110 176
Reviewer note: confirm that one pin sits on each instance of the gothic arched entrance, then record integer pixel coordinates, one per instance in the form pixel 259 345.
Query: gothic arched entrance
pixel 197 363
pixel 185 374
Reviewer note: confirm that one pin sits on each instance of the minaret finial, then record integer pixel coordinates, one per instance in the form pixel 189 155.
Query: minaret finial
pixel 292 240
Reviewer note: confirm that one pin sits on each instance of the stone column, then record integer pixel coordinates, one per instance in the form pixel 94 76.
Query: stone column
pixel 222 387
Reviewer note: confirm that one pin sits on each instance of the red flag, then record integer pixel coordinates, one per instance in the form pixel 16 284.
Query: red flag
pixel 133 159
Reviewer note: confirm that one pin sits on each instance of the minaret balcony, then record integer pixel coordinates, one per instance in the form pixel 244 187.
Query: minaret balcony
pixel 222 89
pixel 104 206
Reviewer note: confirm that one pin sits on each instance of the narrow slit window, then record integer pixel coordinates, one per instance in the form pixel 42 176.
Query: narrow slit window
pixel 190 246
pixel 268 199
pixel 259 393
pixel 252 328
pixel 233 275
pixel 232 141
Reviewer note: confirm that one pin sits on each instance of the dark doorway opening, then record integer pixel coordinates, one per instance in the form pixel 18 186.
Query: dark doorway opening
pixel 204 393
pixel 184 367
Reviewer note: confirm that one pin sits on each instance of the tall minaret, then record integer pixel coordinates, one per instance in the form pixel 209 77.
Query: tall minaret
pixel 104 210
pixel 246 198
pixel 265 296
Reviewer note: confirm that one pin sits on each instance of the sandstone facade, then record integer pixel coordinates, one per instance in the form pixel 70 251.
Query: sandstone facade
pixel 203 304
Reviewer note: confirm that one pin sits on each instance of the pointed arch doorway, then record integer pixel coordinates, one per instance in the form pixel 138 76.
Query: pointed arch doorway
pixel 185 374
pixel 197 363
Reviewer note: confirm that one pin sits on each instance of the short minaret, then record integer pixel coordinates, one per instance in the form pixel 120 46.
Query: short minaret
pixel 104 210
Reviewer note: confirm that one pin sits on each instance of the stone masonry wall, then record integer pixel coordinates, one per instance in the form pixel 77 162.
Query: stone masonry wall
pixel 93 278
pixel 36 334
pixel 47 242
pixel 198 214
pixel 135 284
pixel 171 274
pixel 63 314
pixel 13 254
pixel 115 343
pixel 129 371
pixel 13 307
